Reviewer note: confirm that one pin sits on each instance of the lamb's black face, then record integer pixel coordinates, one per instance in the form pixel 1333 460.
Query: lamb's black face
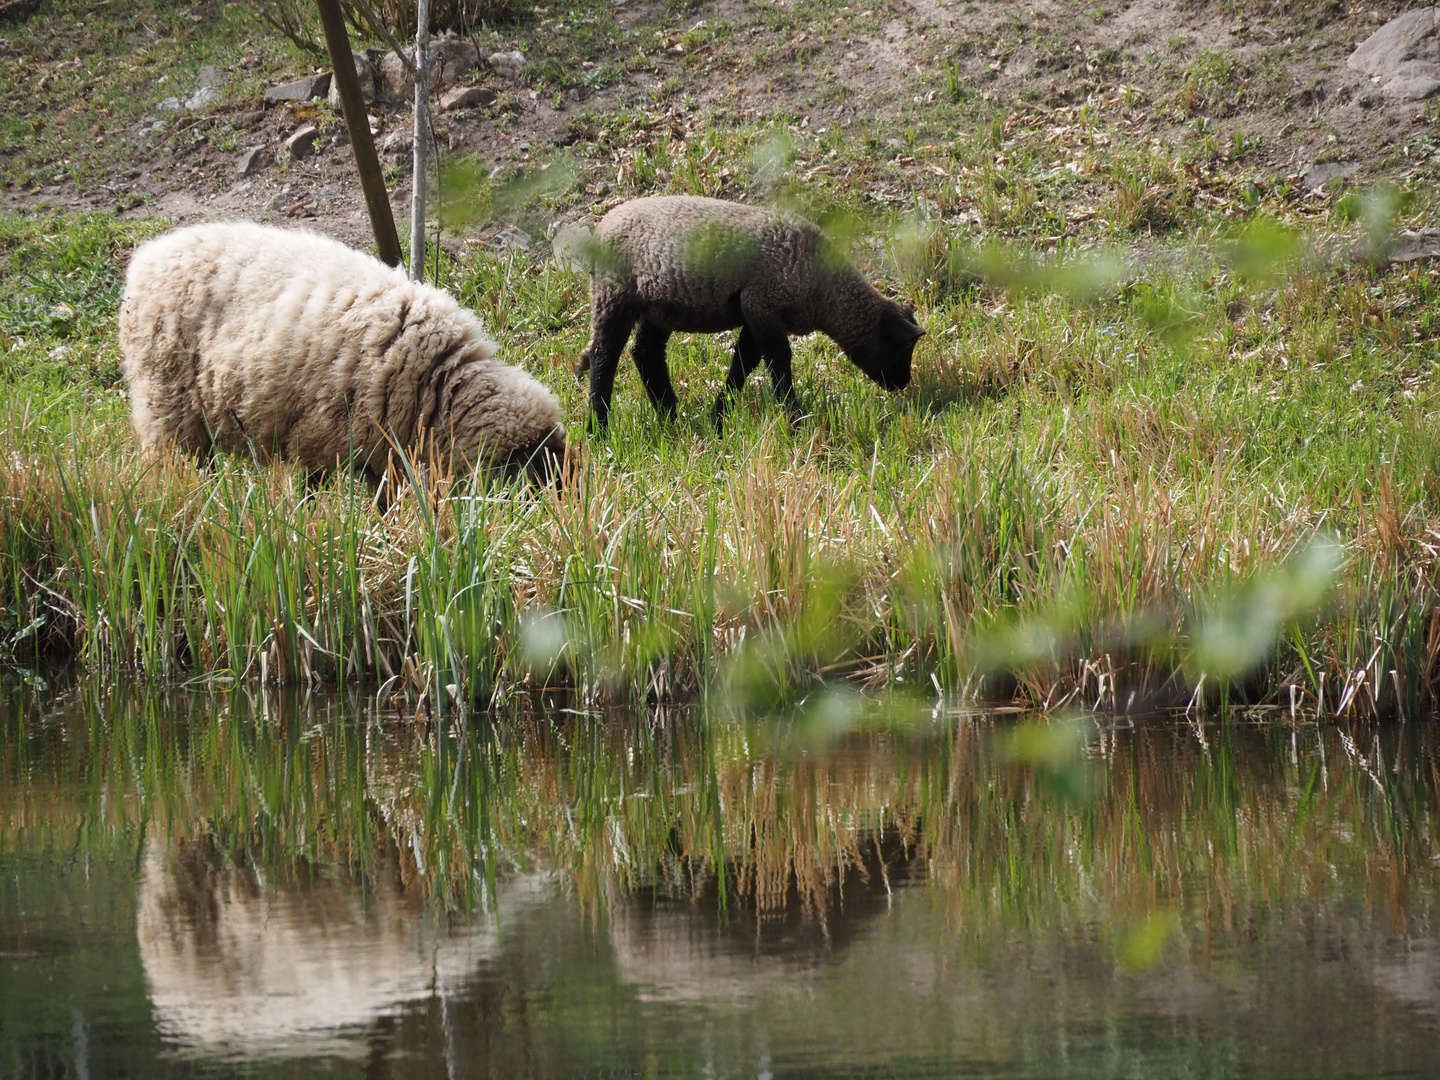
pixel 888 362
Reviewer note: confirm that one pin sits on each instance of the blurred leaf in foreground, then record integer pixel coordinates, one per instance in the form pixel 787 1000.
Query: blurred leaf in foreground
pixel 1142 948
pixel 1265 252
pixel 468 196
pixel 1377 210
pixel 1055 749
pixel 1243 632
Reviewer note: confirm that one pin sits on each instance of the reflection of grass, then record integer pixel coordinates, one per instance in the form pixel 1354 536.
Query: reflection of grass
pixel 1032 828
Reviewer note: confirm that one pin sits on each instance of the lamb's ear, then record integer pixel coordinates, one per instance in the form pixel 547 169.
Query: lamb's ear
pixel 901 328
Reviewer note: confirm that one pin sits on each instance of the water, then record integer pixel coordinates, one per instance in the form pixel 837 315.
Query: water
pixel 233 885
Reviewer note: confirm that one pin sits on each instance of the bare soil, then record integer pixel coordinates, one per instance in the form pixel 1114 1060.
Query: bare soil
pixel 1285 83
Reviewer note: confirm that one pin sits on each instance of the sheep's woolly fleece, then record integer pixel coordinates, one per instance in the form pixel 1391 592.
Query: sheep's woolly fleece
pixel 272 341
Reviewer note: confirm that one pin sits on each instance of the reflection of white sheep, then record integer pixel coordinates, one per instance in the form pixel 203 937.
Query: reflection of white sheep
pixel 681 263
pixel 260 967
pixel 242 337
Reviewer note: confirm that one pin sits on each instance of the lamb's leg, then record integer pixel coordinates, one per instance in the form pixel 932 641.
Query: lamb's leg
pixel 609 328
pixel 649 352
pixel 745 360
pixel 776 350
pixel 774 345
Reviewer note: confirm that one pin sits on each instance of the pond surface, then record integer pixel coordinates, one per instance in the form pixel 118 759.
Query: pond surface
pixel 233 885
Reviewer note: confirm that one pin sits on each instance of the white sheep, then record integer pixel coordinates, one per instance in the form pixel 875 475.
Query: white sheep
pixel 247 338
pixel 694 265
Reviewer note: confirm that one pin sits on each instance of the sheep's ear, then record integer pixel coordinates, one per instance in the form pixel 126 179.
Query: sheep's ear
pixel 901 328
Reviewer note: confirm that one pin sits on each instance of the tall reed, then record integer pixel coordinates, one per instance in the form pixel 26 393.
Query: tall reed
pixel 991 576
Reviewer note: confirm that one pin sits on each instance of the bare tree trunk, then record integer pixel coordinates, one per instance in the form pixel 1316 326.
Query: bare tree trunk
pixel 357 122
pixel 422 134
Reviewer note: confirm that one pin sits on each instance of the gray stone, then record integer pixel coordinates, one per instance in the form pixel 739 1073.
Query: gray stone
pixel 251 161
pixel 1317 176
pixel 514 238
pixel 1411 87
pixel 170 104
pixel 365 72
pixel 249 119
pixel 1403 56
pixel 451 61
pixel 467 97
pixel 17 9
pixel 203 98
pixel 507 63
pixel 398 142
pixel 209 76
pixel 302 144
pixel 396 77
pixel 306 89
pixel 1418 246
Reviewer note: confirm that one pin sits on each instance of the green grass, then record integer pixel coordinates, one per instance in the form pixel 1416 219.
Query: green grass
pixel 1060 474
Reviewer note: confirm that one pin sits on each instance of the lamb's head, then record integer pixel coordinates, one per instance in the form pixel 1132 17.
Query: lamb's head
pixel 503 418
pixel 884 344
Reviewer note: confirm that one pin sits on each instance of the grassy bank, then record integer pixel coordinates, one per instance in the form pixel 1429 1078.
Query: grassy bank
pixel 1072 504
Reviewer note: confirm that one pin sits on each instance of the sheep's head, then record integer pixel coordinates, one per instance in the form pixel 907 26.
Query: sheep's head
pixel 884 351
pixel 504 418
pixel 544 465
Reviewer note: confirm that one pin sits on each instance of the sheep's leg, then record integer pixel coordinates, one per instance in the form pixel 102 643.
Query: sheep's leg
pixel 776 350
pixel 649 352
pixel 745 360
pixel 607 341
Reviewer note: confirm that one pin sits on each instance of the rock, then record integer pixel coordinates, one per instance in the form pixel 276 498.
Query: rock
pixel 306 89
pixel 1419 246
pixel 396 77
pixel 17 9
pixel 365 72
pixel 209 76
pixel 398 142
pixel 515 238
pixel 302 144
pixel 170 104
pixel 451 62
pixel 573 245
pixel 1403 55
pixel 467 97
pixel 507 63
pixel 251 161
pixel 249 119
pixel 1317 176
pixel 203 98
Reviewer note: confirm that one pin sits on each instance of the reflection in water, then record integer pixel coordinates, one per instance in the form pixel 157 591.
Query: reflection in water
pixel 1408 968
pixel 209 884
pixel 241 965
pixel 676 948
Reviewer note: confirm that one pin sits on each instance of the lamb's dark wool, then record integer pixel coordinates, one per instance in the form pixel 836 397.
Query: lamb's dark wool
pixel 680 263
